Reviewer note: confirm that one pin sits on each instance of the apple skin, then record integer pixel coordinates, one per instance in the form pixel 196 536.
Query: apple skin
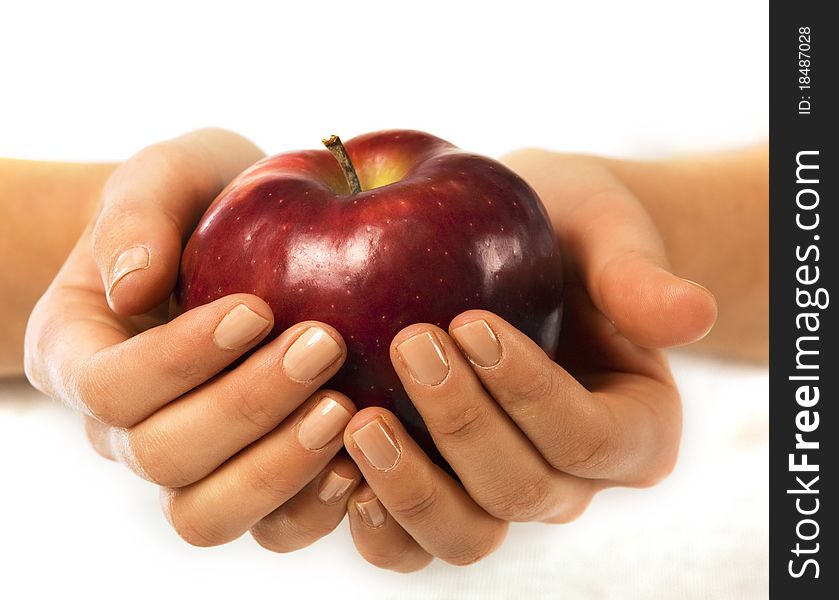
pixel 435 232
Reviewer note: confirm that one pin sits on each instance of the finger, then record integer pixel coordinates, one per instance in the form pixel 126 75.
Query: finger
pixel 626 429
pixel 622 262
pixel 618 252
pixel 313 513
pixel 151 203
pixel 189 438
pixel 494 460
pixel 128 379
pixel 99 436
pixel 434 509
pixel 379 539
pixel 261 478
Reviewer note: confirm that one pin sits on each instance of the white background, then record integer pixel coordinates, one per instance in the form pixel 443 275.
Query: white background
pixel 83 81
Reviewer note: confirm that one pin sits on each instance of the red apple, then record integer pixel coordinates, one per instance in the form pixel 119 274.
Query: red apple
pixel 433 231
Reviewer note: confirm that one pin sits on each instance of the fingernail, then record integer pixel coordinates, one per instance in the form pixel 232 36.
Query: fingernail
pixel 322 424
pixel 133 259
pixel 479 343
pixel 238 327
pixel 372 512
pixel 425 358
pixel 699 285
pixel 310 354
pixel 333 487
pixel 377 445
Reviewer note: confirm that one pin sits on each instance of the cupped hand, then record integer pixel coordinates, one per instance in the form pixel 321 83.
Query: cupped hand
pixel 253 447
pixel 531 438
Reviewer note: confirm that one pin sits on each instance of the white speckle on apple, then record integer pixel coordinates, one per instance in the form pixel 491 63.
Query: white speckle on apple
pixel 300 289
pixel 285 226
pixel 253 261
pixel 417 297
pixel 445 252
pixel 238 218
pixel 248 237
pixel 218 257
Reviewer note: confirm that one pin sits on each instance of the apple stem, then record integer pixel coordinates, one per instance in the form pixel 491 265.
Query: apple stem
pixel 334 145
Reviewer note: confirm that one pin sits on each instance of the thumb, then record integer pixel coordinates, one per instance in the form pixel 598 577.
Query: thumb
pixel 151 204
pixel 617 252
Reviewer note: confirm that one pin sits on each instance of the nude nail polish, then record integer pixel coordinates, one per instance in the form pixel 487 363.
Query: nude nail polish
pixel 479 342
pixel 310 354
pixel 377 445
pixel 239 327
pixel 372 512
pixel 425 358
pixel 333 487
pixel 133 259
pixel 322 424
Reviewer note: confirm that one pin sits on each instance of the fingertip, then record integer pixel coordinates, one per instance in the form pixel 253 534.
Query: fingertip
pixel 138 262
pixel 700 309
pixel 654 308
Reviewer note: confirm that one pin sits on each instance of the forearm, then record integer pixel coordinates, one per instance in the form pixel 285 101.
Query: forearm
pixel 713 215
pixel 43 208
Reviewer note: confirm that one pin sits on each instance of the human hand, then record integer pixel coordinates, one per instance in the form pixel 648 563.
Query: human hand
pixel 253 447
pixel 530 438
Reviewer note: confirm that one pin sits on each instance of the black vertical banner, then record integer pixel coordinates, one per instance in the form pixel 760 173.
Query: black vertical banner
pixel 804 362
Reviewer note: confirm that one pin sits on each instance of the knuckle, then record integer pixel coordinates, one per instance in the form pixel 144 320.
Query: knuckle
pixel 416 507
pixel 464 425
pixel 570 507
pixel 583 455
pixel 388 558
pixel 285 533
pixel 531 391
pixel 250 406
pixel 525 502
pixel 149 453
pixel 474 550
pixel 39 361
pixel 268 478
pixel 192 531
pixel 182 363
pixel 94 392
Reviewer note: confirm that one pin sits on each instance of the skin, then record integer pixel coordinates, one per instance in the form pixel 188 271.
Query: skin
pixel 288 230
pixel 612 398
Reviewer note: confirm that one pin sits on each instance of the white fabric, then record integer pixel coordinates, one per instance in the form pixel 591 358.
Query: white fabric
pixel 72 521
